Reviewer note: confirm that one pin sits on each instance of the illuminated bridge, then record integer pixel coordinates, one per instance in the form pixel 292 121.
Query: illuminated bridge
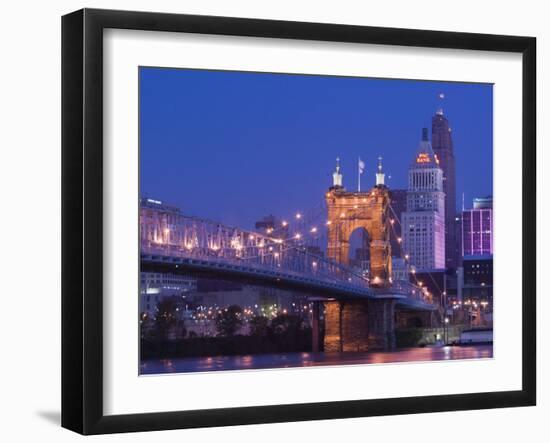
pixel 360 309
pixel 203 247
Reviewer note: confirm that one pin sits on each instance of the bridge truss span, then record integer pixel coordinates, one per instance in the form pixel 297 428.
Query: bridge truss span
pixel 194 245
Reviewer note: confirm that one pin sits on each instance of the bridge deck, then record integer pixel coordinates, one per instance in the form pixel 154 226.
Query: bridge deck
pixel 254 273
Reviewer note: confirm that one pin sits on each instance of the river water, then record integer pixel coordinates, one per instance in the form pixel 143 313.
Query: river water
pixel 308 359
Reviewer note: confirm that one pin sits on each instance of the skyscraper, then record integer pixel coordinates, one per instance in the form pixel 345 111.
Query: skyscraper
pixel 423 224
pixel 442 144
pixel 477 228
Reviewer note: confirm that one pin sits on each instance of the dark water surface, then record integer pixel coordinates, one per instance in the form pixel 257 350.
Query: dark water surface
pixel 308 359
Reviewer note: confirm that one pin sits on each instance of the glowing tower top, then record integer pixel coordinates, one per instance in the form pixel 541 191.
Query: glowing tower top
pixel 337 176
pixel 380 176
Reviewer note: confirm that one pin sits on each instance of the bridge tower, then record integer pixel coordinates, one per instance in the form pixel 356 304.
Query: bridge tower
pixel 359 325
pixel 348 211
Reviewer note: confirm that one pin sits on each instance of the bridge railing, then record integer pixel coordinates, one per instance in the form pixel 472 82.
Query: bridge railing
pixel 412 291
pixel 290 259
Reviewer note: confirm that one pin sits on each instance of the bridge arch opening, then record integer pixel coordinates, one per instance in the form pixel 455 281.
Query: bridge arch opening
pixel 359 250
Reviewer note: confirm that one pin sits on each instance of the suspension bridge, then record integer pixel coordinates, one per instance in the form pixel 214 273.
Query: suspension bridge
pixel 285 256
pixel 360 308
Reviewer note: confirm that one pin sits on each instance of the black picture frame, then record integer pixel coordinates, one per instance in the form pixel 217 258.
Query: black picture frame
pixel 82 218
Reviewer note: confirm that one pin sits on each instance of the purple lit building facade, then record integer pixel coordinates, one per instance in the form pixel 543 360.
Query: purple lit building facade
pixel 477 228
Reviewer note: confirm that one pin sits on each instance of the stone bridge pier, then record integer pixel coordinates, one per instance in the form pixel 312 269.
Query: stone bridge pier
pixel 359 325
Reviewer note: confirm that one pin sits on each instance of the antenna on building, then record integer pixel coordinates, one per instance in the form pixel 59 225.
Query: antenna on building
pixel 463 202
pixel 441 96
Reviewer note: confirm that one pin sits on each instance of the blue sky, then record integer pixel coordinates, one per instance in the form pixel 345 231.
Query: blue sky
pixel 234 146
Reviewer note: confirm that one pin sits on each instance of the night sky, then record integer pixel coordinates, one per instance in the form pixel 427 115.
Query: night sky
pixel 234 146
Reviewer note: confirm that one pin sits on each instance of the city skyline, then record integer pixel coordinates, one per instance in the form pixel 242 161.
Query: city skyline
pixel 257 245
pixel 290 146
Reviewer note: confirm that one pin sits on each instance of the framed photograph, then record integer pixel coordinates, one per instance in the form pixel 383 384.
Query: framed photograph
pixel 268 221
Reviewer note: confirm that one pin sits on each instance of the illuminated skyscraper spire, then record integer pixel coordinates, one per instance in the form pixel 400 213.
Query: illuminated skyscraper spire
pixel 380 176
pixel 336 176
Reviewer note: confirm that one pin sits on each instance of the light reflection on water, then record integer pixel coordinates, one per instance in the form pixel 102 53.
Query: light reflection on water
pixel 308 359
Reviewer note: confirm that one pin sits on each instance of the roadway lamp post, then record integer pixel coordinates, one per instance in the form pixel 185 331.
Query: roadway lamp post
pixel 444 308
pixel 445 331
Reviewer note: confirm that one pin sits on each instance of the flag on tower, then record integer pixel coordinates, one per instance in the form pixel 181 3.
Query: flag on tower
pixel 361 169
